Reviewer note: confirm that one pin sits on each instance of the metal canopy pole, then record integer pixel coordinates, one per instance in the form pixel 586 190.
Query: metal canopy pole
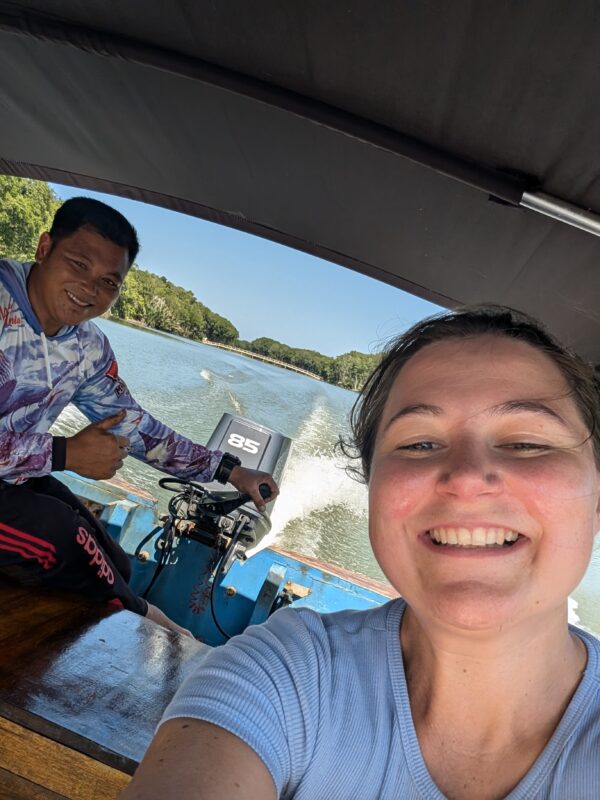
pixel 563 212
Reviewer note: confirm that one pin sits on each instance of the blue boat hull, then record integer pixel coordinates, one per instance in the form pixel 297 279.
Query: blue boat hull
pixel 186 588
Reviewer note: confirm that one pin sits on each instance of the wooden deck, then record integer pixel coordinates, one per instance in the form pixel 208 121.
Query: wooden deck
pixel 82 687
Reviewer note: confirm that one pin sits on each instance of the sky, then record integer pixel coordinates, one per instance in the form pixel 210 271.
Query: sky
pixel 264 288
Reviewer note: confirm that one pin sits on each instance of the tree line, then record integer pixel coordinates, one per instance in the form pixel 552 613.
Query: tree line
pixel 156 302
pixel 27 208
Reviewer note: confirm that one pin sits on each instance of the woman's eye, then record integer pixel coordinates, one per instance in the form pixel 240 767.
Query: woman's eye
pixel 78 264
pixel 526 446
pixel 110 283
pixel 419 447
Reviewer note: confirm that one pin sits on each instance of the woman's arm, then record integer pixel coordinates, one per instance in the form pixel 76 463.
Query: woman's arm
pixel 194 760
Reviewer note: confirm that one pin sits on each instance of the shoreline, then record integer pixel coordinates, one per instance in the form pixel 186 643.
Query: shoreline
pixel 246 353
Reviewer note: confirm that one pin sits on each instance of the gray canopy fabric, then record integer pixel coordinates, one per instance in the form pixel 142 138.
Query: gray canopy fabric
pixel 304 121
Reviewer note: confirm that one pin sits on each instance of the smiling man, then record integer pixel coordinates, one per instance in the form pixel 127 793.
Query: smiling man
pixel 52 355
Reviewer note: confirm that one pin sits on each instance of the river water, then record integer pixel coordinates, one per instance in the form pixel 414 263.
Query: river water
pixel 321 511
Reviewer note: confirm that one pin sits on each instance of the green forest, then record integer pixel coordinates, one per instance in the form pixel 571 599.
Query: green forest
pixel 27 208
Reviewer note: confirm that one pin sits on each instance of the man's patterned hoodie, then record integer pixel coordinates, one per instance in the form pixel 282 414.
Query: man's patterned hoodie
pixel 40 375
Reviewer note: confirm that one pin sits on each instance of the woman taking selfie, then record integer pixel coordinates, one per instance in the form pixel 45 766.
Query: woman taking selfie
pixel 479 439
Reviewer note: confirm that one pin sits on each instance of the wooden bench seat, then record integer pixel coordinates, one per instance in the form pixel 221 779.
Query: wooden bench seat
pixel 82 687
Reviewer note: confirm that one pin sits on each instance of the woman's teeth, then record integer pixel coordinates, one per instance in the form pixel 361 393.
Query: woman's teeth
pixel 476 537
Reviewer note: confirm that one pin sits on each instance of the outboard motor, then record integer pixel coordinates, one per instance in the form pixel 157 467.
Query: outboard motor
pixel 258 448
pixel 208 529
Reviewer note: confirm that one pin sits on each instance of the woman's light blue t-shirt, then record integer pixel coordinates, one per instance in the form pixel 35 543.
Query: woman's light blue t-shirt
pixel 322 699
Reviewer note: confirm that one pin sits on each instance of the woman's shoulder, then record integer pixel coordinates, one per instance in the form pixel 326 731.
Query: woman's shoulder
pixel 582 718
pixel 339 625
pixel 336 644
pixel 569 766
pixel 311 640
pixel 592 644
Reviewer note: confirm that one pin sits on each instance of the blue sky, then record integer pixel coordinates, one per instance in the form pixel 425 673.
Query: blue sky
pixel 266 289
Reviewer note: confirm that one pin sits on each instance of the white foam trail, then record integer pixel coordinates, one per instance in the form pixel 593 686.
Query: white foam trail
pixel 314 478
pixel 315 434
pixel 313 483
pixel 206 374
pixel 235 403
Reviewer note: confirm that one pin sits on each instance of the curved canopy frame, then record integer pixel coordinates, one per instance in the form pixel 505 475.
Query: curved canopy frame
pixel 396 139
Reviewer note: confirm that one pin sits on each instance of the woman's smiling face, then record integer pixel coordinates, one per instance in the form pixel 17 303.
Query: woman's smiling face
pixel 484 492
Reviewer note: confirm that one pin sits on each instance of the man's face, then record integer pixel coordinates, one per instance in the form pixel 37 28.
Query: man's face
pixel 76 278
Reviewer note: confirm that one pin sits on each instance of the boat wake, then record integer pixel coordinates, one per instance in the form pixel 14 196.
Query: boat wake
pixel 314 485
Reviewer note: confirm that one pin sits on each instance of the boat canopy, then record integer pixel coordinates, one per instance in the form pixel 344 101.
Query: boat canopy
pixel 400 139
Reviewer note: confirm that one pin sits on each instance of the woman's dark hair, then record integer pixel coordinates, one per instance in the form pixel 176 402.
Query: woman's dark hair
pixel 469 321
pixel 80 211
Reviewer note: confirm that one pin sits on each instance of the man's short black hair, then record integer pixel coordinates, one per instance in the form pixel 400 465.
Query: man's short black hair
pixel 84 211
